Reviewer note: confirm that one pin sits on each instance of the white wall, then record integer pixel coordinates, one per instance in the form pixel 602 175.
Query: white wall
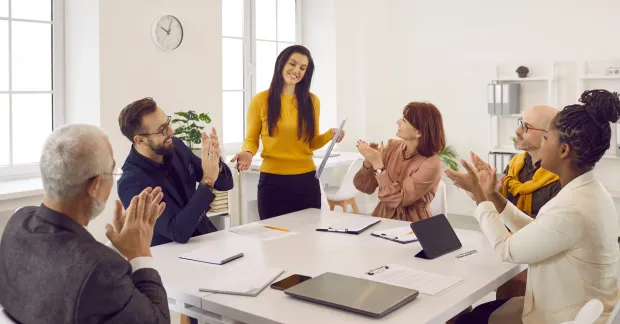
pixel 446 52
pixel 130 66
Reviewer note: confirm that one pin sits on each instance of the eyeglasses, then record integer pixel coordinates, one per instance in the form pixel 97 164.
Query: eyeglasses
pixel 164 129
pixel 525 127
pixel 116 174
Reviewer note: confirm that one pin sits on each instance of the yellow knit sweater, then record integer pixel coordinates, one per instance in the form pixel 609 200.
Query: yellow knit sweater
pixel 283 153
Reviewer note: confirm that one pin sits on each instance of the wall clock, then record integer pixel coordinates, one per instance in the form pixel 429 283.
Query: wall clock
pixel 167 32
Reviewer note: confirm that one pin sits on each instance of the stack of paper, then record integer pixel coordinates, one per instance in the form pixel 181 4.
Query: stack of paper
pixel 246 282
pixel 211 255
pixel 424 282
pixel 220 203
pixel 261 232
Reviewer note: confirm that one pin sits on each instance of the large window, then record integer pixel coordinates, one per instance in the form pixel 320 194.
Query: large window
pixel 30 81
pixel 254 32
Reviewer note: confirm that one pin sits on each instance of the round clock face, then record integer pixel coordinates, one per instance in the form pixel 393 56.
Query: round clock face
pixel 167 32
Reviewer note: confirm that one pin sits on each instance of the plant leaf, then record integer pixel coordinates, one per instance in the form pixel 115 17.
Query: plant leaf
pixel 205 118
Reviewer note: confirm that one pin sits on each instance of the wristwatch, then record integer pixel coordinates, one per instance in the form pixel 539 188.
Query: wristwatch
pixel 380 171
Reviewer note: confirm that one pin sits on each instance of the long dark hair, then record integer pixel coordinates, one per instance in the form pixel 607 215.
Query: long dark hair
pixel 305 118
pixel 585 127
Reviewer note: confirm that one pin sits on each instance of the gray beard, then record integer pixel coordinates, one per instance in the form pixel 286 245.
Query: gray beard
pixel 96 209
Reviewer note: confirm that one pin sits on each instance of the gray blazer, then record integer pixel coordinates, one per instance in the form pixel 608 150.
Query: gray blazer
pixel 53 271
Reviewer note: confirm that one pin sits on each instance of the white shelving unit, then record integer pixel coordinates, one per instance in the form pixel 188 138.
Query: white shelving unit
pixel 591 76
pixel 542 74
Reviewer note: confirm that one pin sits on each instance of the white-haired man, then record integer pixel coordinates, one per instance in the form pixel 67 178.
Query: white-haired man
pixel 52 270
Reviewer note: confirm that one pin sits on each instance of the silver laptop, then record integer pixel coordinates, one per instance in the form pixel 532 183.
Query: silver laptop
pixel 353 294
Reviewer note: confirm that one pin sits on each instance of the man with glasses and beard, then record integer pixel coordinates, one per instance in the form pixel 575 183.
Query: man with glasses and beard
pixel 158 159
pixel 525 183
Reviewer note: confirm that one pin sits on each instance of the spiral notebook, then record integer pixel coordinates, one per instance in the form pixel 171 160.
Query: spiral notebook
pixel 210 255
pixel 242 282
pixel 328 153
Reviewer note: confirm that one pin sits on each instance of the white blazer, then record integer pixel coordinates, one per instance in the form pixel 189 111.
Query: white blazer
pixel 571 249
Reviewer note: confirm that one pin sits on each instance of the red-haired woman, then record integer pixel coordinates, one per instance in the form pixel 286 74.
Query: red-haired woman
pixel 406 171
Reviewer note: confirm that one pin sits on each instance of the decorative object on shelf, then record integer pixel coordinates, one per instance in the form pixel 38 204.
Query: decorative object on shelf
pixel 449 157
pixel 167 32
pixel 504 98
pixel 190 129
pixel 612 71
pixel 522 71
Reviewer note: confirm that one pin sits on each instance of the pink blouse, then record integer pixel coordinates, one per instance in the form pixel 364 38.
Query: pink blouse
pixel 406 187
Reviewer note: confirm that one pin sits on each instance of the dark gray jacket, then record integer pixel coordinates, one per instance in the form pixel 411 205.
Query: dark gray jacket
pixel 53 271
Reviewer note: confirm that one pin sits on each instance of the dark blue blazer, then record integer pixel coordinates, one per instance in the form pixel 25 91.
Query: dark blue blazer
pixel 186 206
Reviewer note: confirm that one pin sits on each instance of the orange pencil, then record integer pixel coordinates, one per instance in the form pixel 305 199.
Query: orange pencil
pixel 276 228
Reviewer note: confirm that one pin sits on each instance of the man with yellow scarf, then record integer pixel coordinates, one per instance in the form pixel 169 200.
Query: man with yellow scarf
pixel 527 185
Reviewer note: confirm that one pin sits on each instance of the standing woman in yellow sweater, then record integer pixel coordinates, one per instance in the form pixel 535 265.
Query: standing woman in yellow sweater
pixel 286 118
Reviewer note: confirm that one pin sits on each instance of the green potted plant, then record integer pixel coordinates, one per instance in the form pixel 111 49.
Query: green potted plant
pixel 449 157
pixel 189 127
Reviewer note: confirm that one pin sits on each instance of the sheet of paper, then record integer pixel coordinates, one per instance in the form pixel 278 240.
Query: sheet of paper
pixel 352 224
pixel 400 233
pixel 424 282
pixel 259 231
pixel 319 171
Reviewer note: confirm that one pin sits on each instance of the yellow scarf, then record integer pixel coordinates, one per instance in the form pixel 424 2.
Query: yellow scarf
pixel 541 178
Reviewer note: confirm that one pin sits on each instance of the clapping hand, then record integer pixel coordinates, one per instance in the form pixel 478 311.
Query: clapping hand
pixel 480 178
pixel 133 229
pixel 215 142
pixel 210 160
pixel 371 155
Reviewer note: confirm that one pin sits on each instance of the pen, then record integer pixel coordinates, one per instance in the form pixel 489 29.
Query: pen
pixel 379 269
pixel 466 253
pixel 276 228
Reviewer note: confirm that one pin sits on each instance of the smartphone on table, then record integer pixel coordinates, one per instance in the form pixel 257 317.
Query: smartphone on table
pixel 289 282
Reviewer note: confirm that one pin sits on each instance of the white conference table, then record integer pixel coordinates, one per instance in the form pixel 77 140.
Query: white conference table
pixel 313 253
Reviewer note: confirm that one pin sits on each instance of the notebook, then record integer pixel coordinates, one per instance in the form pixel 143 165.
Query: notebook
pixel 402 234
pixel 211 255
pixel 353 225
pixel 245 282
pixel 357 295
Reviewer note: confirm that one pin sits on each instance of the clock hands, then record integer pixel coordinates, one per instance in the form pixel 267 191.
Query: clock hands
pixel 164 29
pixel 170 26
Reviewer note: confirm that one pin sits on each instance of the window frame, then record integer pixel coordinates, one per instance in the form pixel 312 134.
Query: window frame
pixel 249 60
pixel 29 170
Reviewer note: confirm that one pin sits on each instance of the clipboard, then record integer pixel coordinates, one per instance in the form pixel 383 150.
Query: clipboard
pixel 401 235
pixel 319 171
pixel 351 226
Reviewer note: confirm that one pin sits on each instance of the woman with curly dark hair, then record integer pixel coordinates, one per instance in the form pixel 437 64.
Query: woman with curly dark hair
pixel 571 247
